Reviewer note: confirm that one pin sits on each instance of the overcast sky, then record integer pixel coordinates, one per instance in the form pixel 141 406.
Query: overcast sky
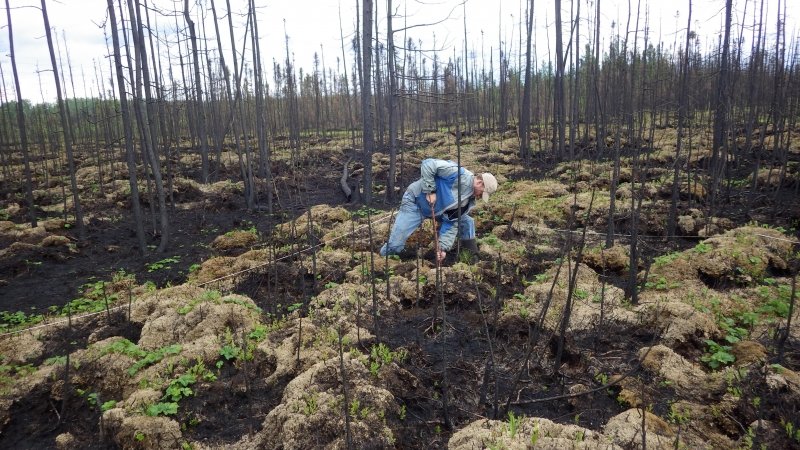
pixel 311 23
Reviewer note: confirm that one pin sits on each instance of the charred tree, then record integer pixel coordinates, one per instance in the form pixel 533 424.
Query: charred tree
pixel 126 122
pixel 366 99
pixel 62 111
pixel 23 132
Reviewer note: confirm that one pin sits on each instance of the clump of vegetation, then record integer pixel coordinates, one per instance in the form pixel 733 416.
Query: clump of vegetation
pixel 381 355
pixel 236 239
pixel 144 358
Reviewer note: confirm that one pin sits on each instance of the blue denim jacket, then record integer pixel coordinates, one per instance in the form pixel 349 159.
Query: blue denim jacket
pixel 443 177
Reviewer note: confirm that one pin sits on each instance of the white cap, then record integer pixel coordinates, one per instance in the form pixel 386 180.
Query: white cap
pixel 489 185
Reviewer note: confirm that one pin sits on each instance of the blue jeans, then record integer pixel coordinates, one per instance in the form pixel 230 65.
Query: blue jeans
pixel 409 218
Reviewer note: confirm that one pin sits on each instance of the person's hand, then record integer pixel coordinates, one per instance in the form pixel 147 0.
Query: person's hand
pixel 440 255
pixel 431 197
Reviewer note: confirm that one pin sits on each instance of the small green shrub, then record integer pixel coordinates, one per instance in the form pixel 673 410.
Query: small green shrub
pixel 164 264
pixel 180 387
pixel 717 355
pixel 162 409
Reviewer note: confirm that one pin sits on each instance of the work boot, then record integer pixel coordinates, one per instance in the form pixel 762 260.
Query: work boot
pixel 470 244
pixel 469 251
pixel 408 254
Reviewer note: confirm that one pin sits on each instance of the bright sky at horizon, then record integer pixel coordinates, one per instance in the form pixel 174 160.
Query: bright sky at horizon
pixel 313 26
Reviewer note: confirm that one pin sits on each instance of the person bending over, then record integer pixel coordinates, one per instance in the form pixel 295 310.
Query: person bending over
pixel 438 190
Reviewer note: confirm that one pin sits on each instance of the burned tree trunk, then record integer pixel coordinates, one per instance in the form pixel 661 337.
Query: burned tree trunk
pixel 62 111
pixel 23 134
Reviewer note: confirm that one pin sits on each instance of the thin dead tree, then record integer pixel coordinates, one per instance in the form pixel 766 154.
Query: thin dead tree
pixel 128 129
pixel 682 107
pixel 366 99
pixel 559 110
pixel 265 168
pixel 198 87
pixel 393 105
pixel 721 107
pixel 23 133
pixel 62 111
pixel 525 108
pixel 143 112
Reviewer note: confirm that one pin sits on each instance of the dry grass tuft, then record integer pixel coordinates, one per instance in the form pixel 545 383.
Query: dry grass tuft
pixel 236 239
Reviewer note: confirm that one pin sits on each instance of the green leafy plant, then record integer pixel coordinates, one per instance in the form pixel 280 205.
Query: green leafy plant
pixel 124 347
pixel 665 259
pixel 792 431
pixel 677 415
pixel 230 351
pixel 310 403
pixel 490 239
pixel 259 333
pixel 365 211
pixel 201 372
pixel 733 332
pixel 180 387
pixel 252 230
pixel 17 320
pixel 55 361
pixel 513 424
pixel 661 284
pixel 164 264
pixel 702 248
pixel 92 399
pixel 381 355
pixel 145 358
pixel 717 355
pixel 151 358
pixel 162 409
pixel 374 368
pixel 535 434
pixel 111 404
pixel 354 408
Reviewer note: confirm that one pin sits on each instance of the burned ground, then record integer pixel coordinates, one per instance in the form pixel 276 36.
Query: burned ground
pixel 257 342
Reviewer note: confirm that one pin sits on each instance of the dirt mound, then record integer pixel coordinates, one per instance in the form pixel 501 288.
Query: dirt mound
pixel 679 322
pixel 688 379
pixel 185 313
pixel 237 239
pixel 185 190
pixel 333 263
pixel 531 201
pixel 589 300
pixel 499 244
pixel 323 219
pixel 741 256
pixel 223 268
pixel 140 432
pixel 312 411
pixel 527 432
pixel 626 430
pixel 615 259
